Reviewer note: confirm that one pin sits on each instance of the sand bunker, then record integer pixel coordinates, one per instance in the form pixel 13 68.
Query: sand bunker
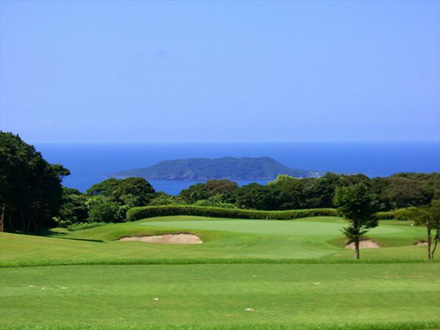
pixel 166 239
pixel 364 244
pixel 422 243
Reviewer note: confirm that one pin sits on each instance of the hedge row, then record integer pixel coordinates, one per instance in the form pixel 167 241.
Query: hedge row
pixel 143 212
pixel 401 214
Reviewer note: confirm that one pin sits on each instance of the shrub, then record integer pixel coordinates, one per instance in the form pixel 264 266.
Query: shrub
pixel 400 214
pixel 137 213
pixel 84 225
pixel 215 201
pixel 164 199
pixel 103 211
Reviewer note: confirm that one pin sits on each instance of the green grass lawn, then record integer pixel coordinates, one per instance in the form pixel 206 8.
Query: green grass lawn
pixel 220 294
pixel 291 274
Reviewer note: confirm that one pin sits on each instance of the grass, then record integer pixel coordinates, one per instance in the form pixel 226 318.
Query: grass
pixel 293 274
pixel 84 225
pixel 342 326
pixel 219 294
pixel 225 240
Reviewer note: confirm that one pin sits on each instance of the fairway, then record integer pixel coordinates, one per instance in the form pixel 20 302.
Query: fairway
pixel 220 294
pixel 248 274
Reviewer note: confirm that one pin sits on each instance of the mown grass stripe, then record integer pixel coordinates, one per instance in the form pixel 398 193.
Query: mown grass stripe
pixel 322 326
pixel 206 261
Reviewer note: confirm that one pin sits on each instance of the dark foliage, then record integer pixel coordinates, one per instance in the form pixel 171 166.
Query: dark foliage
pixel 138 213
pixel 256 196
pixel 224 190
pixel 195 193
pixel 406 189
pixel 30 187
pixel 109 200
pixel 398 191
pixel 73 208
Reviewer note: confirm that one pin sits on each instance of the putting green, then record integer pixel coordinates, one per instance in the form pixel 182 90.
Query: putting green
pixel 264 227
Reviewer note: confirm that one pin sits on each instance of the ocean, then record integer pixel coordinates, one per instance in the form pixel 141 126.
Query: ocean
pixel 93 163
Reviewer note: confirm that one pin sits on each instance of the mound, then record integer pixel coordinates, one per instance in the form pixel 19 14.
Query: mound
pixel 364 244
pixel 166 239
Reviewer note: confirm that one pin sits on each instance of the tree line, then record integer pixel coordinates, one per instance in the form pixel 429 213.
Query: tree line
pixel 285 192
pixel 110 199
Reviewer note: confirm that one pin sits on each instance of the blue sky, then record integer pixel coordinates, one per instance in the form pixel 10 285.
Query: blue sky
pixel 133 71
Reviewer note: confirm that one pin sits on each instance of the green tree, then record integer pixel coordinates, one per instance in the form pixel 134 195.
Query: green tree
pixel 195 193
pixel 221 186
pixel 358 206
pixel 162 198
pixel 130 191
pixel 287 190
pixel 119 195
pixel 103 210
pixel 407 190
pixel 256 196
pixel 429 217
pixel 215 201
pixel 294 193
pixel 404 192
pixel 73 208
pixel 222 190
pixel 30 187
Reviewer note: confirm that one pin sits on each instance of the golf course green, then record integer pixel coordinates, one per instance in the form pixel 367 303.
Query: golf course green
pixel 247 274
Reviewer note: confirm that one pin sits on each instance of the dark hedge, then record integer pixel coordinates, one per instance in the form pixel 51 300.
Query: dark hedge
pixel 143 212
pixel 400 214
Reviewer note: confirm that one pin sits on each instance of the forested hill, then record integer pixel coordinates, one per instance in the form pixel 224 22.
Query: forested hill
pixel 220 168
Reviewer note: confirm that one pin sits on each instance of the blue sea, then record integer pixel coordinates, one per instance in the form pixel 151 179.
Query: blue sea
pixel 93 163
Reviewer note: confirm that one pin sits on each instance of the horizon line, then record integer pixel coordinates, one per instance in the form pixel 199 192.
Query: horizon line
pixel 238 142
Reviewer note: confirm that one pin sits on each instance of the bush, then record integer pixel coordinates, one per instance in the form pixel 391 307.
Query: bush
pixel 137 213
pixel 400 214
pixel 215 201
pixel 209 203
pixel 164 199
pixel 104 211
pixel 84 225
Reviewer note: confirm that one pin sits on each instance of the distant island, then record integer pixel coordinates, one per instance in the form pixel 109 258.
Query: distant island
pixel 230 168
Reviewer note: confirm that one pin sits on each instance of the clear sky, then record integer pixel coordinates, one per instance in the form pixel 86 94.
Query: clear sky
pixel 135 71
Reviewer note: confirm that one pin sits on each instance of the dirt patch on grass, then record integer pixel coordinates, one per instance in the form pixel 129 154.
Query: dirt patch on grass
pixel 364 244
pixel 421 243
pixel 166 239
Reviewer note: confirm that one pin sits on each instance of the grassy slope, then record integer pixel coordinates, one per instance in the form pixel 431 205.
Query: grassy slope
pixel 389 295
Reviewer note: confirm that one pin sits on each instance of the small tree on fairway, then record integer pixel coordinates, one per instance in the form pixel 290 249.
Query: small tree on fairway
pixel 428 216
pixel 358 206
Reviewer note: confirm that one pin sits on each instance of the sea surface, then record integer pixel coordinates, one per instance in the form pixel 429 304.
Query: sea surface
pixel 93 163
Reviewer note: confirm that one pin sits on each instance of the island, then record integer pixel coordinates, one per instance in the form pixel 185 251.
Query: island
pixel 230 168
